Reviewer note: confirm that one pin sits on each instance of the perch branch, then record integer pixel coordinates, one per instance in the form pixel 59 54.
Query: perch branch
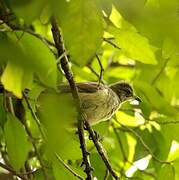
pixel 69 76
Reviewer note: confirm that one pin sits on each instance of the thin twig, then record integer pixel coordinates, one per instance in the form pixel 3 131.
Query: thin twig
pixel 12 171
pixel 144 144
pixel 100 150
pixel 69 76
pixel 124 155
pixel 34 116
pixel 68 167
pixel 117 64
pixel 36 151
pixel 106 175
pixel 111 43
pixel 164 122
pixel 5 19
pixel 32 139
pixel 101 70
pixel 160 72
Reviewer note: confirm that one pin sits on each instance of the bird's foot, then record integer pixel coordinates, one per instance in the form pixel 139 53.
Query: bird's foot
pixel 96 136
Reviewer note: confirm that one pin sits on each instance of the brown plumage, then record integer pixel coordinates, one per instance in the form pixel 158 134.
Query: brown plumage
pixel 100 102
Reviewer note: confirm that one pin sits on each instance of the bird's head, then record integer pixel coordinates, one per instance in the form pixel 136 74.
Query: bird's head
pixel 124 91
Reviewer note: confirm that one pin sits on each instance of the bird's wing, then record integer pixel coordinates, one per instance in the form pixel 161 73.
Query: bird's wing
pixel 86 87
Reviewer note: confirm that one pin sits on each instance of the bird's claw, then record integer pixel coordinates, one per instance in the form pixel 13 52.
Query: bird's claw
pixel 96 136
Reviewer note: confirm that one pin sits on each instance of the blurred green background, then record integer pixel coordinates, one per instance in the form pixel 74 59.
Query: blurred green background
pixel 135 40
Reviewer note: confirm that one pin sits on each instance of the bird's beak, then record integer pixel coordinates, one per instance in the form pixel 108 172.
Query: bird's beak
pixel 137 98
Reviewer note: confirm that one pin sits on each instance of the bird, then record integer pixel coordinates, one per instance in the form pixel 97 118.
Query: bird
pixel 99 102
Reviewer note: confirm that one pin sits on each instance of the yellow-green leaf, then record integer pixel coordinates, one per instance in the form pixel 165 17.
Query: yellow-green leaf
pixel 135 46
pixel 15 78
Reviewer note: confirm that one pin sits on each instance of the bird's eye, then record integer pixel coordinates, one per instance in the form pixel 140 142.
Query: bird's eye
pixel 128 93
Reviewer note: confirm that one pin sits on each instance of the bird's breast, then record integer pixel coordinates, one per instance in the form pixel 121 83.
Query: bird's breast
pixel 100 105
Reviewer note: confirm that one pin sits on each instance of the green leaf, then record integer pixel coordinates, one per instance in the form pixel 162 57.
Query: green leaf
pixel 169 48
pixel 58 113
pixel 170 131
pixel 128 8
pixel 134 45
pixel 61 172
pixel 166 172
pixel 15 78
pixel 27 10
pixel 98 165
pixel 40 58
pixel 159 146
pixel 149 95
pixel 176 166
pixel 16 142
pixel 82 28
pixel 26 54
pixel 156 19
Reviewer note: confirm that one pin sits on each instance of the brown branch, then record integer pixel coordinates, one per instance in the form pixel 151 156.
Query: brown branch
pixel 69 76
pixel 5 18
pixel 100 150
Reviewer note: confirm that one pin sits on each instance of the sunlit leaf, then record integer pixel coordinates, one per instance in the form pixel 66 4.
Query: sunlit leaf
pixel 28 54
pixel 40 58
pixel 134 45
pixel 15 78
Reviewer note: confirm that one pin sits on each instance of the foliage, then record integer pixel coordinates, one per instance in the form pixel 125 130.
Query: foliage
pixel 135 42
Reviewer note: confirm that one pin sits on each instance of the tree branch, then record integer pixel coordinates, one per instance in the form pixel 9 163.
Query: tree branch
pixel 81 118
pixel 100 150
pixel 69 76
